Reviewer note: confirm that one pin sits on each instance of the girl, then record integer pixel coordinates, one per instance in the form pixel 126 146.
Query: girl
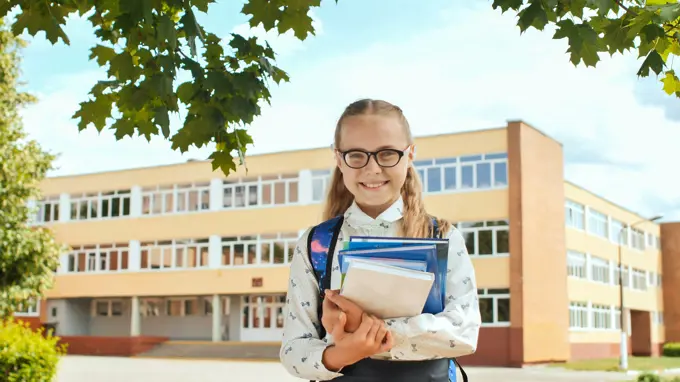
pixel 377 192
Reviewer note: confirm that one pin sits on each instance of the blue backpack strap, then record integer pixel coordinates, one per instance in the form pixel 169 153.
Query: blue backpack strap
pixel 320 243
pixel 452 362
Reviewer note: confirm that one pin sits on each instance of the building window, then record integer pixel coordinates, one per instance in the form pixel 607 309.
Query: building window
pixel 48 210
pixel 618 231
pixel 178 198
pixel 107 308
pixel 576 264
pixel 261 191
pixel 578 315
pixel 320 181
pixel 639 279
pixel 175 254
pixel 599 269
pixel 601 316
pixel 273 249
pixel 597 223
pixel 574 215
pixel 486 171
pixel 637 239
pixel 29 308
pixel 624 275
pixel 98 258
pixel 263 312
pixel 486 238
pixel 100 205
pixel 494 306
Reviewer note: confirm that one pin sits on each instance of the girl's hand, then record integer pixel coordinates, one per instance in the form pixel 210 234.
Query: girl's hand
pixel 330 315
pixel 353 311
pixel 372 337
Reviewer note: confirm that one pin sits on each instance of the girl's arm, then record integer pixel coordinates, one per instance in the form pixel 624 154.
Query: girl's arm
pixel 301 349
pixel 452 333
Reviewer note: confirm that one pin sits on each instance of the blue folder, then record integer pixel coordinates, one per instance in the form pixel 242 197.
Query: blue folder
pixel 427 253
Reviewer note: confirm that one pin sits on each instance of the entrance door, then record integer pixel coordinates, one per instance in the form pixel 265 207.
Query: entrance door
pixel 262 318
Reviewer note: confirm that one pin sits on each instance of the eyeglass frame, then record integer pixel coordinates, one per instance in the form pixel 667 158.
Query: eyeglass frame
pixel 373 154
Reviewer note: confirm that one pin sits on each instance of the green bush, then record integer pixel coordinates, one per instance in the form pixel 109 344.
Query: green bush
pixel 27 354
pixel 648 377
pixel 671 349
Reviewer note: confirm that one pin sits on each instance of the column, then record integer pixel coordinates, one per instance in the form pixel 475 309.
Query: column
pixel 134 255
pixel 216 318
pixel 64 207
pixel 63 263
pixel 135 322
pixel 214 251
pixel 305 187
pixel 135 201
pixel 216 194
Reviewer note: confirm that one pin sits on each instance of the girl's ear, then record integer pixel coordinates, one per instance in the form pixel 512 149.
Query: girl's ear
pixel 338 159
pixel 412 152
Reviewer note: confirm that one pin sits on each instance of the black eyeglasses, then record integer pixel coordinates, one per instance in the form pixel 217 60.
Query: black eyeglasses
pixel 356 158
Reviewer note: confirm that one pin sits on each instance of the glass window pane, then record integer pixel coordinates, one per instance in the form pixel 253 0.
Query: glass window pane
pixel 485 242
pixel 467 177
pixel 449 178
pixel 503 309
pixel 483 175
pixel 502 241
pixel 434 179
pixel 500 174
pixel 486 309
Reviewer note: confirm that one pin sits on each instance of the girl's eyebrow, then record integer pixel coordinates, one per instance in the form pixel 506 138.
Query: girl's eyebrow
pixel 377 149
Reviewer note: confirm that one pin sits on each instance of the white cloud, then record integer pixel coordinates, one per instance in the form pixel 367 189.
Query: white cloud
pixel 470 70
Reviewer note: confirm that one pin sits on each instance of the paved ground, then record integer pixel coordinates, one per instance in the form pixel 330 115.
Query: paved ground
pixel 113 369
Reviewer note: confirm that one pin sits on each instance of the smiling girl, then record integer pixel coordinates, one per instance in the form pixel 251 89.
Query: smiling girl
pixel 376 191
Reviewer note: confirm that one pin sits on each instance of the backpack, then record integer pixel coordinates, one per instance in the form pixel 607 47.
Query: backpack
pixel 321 242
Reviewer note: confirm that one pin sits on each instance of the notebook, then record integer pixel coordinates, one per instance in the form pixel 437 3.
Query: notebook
pixel 386 291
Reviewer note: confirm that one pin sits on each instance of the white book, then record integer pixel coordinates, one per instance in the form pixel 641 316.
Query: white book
pixel 386 291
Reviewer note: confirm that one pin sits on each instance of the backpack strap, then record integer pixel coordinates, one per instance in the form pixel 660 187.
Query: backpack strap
pixel 320 244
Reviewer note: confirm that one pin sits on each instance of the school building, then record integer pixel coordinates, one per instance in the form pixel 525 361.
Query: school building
pixel 181 253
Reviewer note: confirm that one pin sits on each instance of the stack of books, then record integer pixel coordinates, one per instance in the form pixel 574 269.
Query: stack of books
pixel 392 277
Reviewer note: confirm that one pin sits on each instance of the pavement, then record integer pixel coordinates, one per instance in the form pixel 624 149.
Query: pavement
pixel 116 369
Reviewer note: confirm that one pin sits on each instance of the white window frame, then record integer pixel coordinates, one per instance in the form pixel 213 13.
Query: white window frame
pixel 577 264
pixel 98 258
pixel 49 206
pixel 30 308
pixel 575 215
pixel 598 223
pixel 464 228
pixel 495 296
pixel 578 315
pixel 600 270
pixel 287 240
pixel 441 165
pixel 95 205
pixel 170 249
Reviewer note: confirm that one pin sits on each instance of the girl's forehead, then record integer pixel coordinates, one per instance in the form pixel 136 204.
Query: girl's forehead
pixel 373 131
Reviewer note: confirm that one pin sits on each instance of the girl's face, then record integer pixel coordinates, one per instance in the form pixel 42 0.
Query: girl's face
pixel 376 179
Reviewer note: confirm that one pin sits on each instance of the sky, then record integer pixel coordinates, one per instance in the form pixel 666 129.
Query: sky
pixel 452 65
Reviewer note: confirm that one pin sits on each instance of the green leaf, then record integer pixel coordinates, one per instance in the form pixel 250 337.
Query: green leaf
pixel 102 53
pixel 123 127
pixel 122 67
pixel 298 21
pixel 651 32
pixel 166 31
pixel 222 160
pixel 603 7
pixel 161 118
pixel 533 16
pixel 504 5
pixel 265 12
pixel 671 83
pixel 94 111
pixel 653 62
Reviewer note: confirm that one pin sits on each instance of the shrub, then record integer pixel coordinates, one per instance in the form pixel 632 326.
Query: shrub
pixel 648 377
pixel 671 349
pixel 27 354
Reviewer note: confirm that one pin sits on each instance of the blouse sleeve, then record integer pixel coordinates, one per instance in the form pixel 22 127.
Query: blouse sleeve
pixel 301 348
pixel 452 333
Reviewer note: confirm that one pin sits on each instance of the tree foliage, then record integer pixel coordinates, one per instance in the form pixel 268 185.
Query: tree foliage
pixel 144 43
pixel 650 28
pixel 28 255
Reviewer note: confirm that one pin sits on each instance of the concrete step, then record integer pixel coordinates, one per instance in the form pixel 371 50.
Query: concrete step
pixel 215 350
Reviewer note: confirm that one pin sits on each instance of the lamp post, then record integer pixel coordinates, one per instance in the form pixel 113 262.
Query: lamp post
pixel 623 361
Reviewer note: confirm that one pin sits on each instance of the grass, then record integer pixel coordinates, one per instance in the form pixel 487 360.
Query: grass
pixel 612 364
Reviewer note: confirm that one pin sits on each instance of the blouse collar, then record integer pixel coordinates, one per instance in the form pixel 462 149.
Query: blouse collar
pixel 356 217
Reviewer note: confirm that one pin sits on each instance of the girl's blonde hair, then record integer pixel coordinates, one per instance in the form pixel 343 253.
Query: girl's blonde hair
pixel 417 223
